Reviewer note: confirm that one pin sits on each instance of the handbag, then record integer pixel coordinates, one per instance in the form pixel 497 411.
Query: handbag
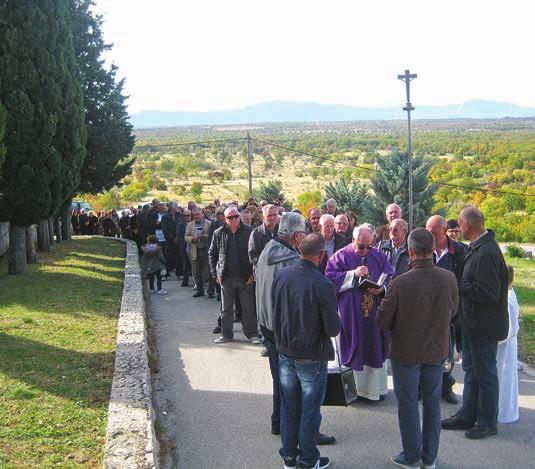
pixel 341 387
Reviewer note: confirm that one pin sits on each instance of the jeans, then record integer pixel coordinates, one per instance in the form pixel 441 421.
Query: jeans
pixel 158 275
pixel 274 367
pixel 418 443
pixel 305 380
pixel 481 389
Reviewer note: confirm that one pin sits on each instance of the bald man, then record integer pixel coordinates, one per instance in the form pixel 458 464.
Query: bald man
pixel 392 212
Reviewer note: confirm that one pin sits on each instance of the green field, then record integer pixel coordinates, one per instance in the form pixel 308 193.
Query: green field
pixel 57 341
pixel 524 285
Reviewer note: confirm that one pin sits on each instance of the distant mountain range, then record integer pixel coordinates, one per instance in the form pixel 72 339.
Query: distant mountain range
pixel 286 111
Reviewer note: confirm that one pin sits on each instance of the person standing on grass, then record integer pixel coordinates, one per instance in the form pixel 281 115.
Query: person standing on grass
pixel 153 263
pixel 417 311
pixel 305 317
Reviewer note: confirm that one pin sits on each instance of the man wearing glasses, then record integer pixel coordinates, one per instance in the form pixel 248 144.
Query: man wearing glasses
pixel 363 347
pixel 230 266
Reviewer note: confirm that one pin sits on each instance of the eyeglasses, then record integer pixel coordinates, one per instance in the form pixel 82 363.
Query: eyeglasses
pixel 363 247
pixel 232 217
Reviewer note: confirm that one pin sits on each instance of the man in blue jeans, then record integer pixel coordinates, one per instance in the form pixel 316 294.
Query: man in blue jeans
pixel 417 310
pixel 484 322
pixel 305 317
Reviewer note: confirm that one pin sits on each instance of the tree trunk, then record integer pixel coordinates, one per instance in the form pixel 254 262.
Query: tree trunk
pixel 50 222
pixel 31 235
pixel 57 229
pixel 66 227
pixel 43 241
pixel 17 250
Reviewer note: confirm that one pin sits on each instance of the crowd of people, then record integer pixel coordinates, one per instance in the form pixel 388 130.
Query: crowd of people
pixel 419 298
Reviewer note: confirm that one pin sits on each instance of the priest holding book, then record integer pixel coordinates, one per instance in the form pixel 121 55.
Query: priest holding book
pixel 363 347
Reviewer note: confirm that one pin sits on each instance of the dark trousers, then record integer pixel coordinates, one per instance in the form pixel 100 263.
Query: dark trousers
pixel 158 276
pixel 172 258
pixel 418 443
pixel 202 272
pixel 481 389
pixel 447 378
pixel 231 288
pixel 274 368
pixel 302 383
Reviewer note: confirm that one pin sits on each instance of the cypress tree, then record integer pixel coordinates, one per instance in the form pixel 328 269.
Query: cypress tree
pixel 44 138
pixel 110 138
pixel 391 183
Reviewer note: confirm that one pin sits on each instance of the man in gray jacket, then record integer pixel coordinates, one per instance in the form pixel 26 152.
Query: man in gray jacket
pixel 278 253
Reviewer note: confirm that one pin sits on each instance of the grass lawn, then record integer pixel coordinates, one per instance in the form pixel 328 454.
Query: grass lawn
pixel 524 285
pixel 57 341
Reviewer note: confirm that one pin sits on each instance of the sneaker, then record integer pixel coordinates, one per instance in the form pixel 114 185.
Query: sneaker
pixel 400 461
pixel 222 340
pixel 256 340
pixel 431 465
pixel 216 330
pixel 161 292
pixel 289 463
pixel 322 463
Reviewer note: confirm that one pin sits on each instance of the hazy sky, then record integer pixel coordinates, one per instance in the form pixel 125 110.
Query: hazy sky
pixel 222 54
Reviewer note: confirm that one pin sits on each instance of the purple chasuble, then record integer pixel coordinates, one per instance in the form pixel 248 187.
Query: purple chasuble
pixel 361 341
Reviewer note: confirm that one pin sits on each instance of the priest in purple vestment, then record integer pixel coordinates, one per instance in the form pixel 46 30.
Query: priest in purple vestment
pixel 363 347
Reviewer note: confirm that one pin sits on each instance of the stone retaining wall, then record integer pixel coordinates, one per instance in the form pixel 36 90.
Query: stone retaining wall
pixel 130 437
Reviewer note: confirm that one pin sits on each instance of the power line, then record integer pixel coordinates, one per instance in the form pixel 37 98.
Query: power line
pixel 180 144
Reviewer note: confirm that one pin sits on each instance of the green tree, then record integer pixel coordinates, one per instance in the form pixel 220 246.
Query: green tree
pixel 270 191
pixel 110 139
pixel 40 89
pixel 354 196
pixel 390 185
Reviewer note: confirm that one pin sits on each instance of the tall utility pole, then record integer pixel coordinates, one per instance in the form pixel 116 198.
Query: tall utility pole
pixel 249 159
pixel 407 77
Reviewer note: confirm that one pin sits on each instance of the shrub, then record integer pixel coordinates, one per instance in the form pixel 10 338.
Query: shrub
pixel 196 189
pixel 514 250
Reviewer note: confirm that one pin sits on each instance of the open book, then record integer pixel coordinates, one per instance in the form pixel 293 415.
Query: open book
pixel 364 282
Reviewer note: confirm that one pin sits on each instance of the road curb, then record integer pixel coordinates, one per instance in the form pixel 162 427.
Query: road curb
pixel 130 436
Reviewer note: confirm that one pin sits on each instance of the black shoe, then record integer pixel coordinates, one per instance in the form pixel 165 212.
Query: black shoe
pixel 264 352
pixel 289 463
pixel 217 330
pixel 449 396
pixel 455 423
pixel 478 433
pixel 211 296
pixel 326 440
pixel 198 294
pixel 275 430
pixel 322 463
pixel 185 283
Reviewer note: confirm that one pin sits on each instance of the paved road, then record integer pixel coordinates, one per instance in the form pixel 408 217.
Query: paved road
pixel 213 404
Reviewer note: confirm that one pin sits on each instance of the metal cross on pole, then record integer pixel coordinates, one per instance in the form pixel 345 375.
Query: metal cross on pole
pixel 407 77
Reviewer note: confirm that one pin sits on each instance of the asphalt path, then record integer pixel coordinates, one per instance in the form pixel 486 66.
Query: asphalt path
pixel 213 405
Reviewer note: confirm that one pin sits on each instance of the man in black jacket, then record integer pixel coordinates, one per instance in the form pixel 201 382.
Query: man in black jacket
pixel 484 320
pixel 395 248
pixel 448 255
pixel 305 317
pixel 229 265
pixel 263 233
pixel 171 252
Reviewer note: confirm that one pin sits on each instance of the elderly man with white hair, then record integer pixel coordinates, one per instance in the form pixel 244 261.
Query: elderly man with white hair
pixel 263 233
pixel 363 347
pixel 330 207
pixel 392 212
pixel 333 241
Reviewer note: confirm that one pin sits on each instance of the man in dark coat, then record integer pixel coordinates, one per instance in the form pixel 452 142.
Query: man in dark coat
pixel 448 255
pixel 395 248
pixel 484 321
pixel 171 252
pixel 264 233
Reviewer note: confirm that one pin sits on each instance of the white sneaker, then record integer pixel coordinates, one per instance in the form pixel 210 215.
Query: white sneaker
pixel 162 292
pixel 429 466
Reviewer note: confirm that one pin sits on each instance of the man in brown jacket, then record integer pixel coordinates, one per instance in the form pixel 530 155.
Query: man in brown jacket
pixel 417 309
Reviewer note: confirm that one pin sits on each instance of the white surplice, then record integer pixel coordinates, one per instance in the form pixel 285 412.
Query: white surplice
pixel 507 364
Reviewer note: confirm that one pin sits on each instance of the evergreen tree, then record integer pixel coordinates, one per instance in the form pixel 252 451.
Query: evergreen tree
pixel 354 196
pixel 391 184
pixel 39 87
pixel 109 138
